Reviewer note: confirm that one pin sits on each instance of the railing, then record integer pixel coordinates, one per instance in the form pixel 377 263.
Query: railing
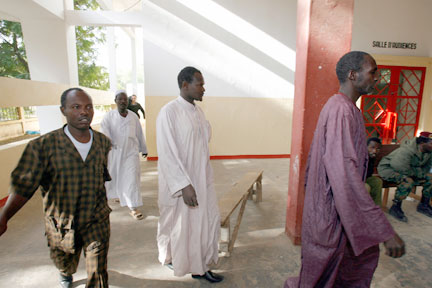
pixel 17 121
pixel 9 114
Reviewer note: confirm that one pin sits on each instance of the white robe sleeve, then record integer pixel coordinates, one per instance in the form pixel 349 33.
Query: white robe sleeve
pixel 105 126
pixel 140 136
pixel 170 164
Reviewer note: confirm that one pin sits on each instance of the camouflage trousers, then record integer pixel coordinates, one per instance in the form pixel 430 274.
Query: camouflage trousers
pixel 95 247
pixel 374 187
pixel 406 184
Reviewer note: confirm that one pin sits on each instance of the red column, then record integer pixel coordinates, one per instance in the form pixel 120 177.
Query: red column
pixel 324 29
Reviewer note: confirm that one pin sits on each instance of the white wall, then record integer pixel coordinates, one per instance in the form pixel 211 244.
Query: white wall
pixel 163 67
pixel 249 85
pixel 46 51
pixel 48 59
pixel 406 21
pixel 275 17
pixel 230 65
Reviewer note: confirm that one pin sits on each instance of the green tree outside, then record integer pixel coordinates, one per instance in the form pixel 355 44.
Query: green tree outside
pixel 13 59
pixel 90 74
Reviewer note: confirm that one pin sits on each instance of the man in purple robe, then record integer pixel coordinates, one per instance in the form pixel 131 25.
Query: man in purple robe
pixel 342 227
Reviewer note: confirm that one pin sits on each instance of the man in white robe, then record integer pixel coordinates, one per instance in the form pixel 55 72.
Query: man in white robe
pixel 124 129
pixel 189 223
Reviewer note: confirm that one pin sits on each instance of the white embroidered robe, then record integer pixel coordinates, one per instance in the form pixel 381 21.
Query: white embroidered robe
pixel 127 140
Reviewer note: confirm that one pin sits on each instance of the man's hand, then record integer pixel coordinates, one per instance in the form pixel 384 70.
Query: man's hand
pixel 13 205
pixel 395 247
pixel 189 196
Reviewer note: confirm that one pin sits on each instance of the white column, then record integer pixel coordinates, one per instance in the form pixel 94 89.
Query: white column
pixel 51 57
pixel 134 62
pixel 142 85
pixel 71 47
pixel 47 50
pixel 112 59
pixel 72 55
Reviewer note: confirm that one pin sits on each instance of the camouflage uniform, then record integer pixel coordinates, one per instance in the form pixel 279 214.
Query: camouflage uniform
pixel 374 187
pixel 408 167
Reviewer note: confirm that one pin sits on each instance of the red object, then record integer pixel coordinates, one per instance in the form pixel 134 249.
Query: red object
pixel 389 129
pixel 426 134
pixel 3 201
pixel 222 157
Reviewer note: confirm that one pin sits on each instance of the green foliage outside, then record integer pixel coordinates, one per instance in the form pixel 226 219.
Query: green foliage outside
pixel 90 74
pixel 13 59
pixel 86 5
pixel 9 114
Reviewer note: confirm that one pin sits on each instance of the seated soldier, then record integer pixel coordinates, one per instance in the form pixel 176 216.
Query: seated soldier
pixel 373 184
pixel 408 166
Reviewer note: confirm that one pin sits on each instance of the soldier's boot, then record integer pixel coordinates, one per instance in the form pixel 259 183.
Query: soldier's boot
pixel 396 211
pixel 424 207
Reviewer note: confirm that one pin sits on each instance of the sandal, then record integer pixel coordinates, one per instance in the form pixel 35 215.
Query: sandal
pixel 136 215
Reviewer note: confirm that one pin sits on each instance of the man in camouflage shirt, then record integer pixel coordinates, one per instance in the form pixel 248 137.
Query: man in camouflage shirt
pixel 408 166
pixel 70 167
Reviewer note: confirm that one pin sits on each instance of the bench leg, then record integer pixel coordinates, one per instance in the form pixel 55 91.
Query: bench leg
pixel 237 225
pixel 385 199
pixel 251 192
pixel 258 190
pixel 225 238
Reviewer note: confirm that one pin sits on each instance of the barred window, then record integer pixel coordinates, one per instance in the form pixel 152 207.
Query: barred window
pixel 29 112
pixel 102 108
pixel 8 114
pixel 100 111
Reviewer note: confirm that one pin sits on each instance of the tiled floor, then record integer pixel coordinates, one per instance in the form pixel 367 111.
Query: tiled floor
pixel 263 255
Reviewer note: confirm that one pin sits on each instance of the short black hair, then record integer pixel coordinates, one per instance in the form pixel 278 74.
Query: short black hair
pixel 374 139
pixel 186 74
pixel 350 61
pixel 65 93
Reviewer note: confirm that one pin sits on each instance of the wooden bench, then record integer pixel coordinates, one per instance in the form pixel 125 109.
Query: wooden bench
pixel 248 187
pixel 384 151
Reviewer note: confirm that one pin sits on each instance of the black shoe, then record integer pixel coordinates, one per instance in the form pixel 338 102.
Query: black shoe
pixel 424 209
pixel 170 266
pixel 396 212
pixel 65 281
pixel 209 276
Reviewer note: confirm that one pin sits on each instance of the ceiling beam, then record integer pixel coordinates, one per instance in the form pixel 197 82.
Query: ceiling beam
pixel 104 18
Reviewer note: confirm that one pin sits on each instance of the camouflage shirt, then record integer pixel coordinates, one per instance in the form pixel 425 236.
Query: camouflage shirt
pixel 407 160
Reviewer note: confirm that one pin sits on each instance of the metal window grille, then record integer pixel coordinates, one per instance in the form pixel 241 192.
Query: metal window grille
pixel 29 112
pixel 9 114
pixel 102 108
pixel 398 90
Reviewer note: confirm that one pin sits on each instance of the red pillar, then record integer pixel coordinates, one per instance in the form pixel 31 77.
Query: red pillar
pixel 324 29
